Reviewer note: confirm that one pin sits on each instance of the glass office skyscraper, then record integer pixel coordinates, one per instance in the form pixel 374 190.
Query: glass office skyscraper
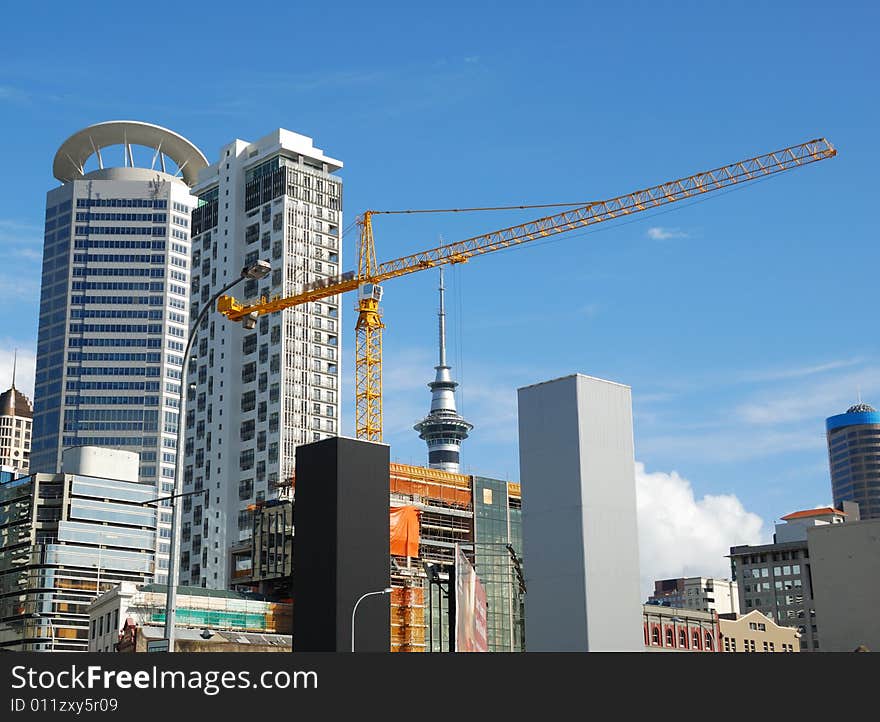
pixel 114 303
pixel 854 458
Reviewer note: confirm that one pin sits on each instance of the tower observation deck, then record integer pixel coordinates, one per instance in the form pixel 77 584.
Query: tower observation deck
pixel 443 428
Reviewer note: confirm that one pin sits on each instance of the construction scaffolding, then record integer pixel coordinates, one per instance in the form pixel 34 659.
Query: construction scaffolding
pixel 445 507
pixel 408 618
pixel 198 607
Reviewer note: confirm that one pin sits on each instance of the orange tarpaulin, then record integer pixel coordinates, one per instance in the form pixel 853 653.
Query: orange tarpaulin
pixel 405 531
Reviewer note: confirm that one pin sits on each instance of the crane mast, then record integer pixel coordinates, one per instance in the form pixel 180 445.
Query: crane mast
pixel 370 274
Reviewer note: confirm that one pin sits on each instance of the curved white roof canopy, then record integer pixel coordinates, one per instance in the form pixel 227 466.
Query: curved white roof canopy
pixel 69 163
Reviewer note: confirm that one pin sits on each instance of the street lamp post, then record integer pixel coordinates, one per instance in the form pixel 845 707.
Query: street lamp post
pixel 258 270
pixel 387 590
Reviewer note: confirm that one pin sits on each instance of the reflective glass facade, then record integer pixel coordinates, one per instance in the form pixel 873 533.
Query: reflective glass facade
pixel 64 539
pixel 854 460
pixel 113 324
pixel 497 524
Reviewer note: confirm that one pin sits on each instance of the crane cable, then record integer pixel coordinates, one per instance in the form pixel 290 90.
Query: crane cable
pixel 618 223
pixel 487 208
pixel 738 186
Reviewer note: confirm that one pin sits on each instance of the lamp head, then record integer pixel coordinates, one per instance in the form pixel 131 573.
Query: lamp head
pixel 258 270
pixel 250 321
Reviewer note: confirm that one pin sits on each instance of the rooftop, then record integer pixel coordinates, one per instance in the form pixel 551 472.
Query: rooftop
pixel 808 513
pixel 15 403
pixel 203 592
pixel 69 163
pixel 860 408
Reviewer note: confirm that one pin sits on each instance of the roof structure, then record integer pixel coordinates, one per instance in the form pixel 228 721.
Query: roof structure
pixel 860 408
pixel 807 513
pixel 15 403
pixel 69 163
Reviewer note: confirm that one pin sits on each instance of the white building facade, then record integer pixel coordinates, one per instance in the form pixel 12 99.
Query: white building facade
pixel 255 394
pixel 705 594
pixel 16 417
pixel 113 307
pixel 579 529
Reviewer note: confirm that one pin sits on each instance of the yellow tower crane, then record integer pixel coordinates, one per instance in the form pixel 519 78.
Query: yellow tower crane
pixel 371 274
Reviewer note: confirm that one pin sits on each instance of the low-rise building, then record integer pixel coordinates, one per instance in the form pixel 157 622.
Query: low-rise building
pixel 141 639
pixel 776 578
pixel 66 537
pixel 201 614
pixel 756 632
pixel 672 629
pixel 846 584
pixel 700 593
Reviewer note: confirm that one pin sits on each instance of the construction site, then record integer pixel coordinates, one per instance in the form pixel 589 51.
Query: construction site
pixel 437 512
pixel 481 516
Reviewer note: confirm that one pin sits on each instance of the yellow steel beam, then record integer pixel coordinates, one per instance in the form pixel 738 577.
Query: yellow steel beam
pixel 368 372
pixel 580 217
pixel 368 357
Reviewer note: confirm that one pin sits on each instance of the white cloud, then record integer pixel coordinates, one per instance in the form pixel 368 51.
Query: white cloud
pixel 25 367
pixel 798 371
pixel 658 233
pixel 811 402
pixel 681 536
pixel 732 444
pixel 15 230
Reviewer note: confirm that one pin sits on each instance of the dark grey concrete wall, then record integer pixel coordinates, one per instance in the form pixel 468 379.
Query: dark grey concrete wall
pixel 341 546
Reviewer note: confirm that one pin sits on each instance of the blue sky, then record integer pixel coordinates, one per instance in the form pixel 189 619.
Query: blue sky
pixel 740 322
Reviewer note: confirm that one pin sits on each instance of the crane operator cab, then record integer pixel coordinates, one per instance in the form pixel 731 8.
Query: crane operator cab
pixel 371 291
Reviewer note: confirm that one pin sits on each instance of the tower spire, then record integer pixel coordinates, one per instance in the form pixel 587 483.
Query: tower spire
pixel 442 317
pixel 443 428
pixel 14 364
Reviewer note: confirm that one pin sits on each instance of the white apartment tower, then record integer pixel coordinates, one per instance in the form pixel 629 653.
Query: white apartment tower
pixel 113 306
pixel 255 394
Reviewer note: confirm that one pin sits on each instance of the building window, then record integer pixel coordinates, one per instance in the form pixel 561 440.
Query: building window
pixel 708 641
pixel 655 636
pixel 670 640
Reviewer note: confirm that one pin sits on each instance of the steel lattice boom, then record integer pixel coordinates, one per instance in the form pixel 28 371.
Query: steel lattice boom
pixel 370 274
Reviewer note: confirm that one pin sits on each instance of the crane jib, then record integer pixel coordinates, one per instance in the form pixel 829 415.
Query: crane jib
pixel 368 372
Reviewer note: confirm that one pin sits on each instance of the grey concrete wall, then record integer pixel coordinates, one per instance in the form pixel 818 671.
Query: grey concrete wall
pixel 580 535
pixel 845 561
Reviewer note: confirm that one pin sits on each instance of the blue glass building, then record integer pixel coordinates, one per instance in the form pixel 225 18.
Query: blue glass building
pixel 854 458
pixel 115 300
